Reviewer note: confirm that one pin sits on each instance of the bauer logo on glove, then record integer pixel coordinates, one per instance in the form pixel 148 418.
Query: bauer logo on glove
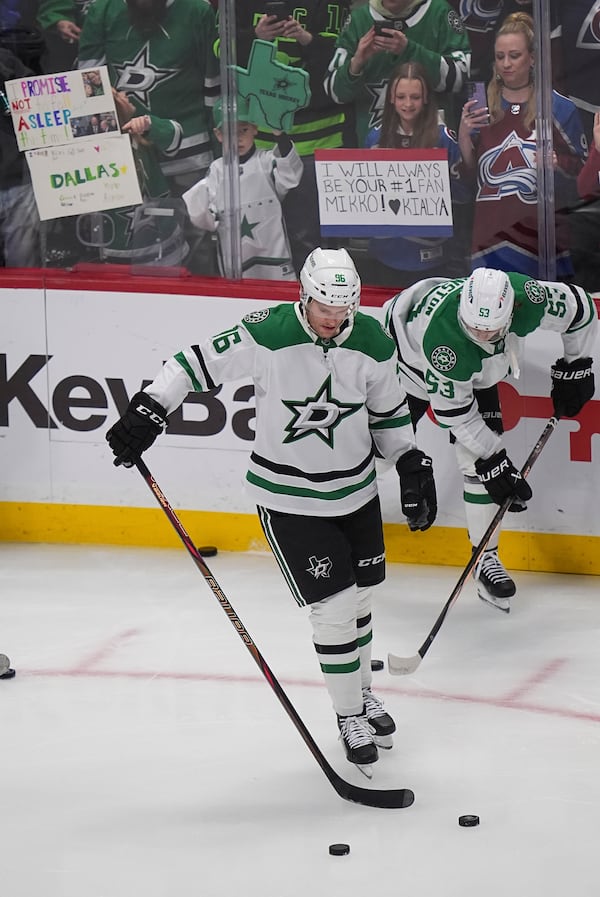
pixel 572 385
pixel 501 478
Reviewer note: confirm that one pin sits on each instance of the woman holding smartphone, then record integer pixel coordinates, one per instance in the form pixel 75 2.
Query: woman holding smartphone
pixel 498 145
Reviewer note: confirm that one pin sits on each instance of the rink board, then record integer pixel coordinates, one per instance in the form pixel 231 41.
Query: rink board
pixel 69 358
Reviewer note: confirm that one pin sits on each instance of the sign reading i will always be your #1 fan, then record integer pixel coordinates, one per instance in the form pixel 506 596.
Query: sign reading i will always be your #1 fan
pixel 384 192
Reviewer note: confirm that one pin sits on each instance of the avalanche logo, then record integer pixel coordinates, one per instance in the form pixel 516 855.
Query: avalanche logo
pixel 478 18
pixel 589 33
pixel 317 415
pixel 319 568
pixel 443 358
pixel 509 170
pixel 255 317
pixel 534 291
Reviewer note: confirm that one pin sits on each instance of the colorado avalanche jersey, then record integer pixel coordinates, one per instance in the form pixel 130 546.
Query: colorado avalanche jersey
pixel 440 363
pixel 505 230
pixel 323 406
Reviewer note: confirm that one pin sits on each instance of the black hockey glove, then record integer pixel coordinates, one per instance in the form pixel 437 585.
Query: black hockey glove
pixel 572 385
pixel 137 429
pixel 502 479
pixel 417 489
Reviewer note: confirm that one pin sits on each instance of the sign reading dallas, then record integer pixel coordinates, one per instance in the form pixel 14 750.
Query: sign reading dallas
pixel 384 192
pixel 84 177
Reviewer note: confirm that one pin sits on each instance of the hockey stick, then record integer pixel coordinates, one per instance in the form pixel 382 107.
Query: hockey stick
pixel 402 666
pixel 392 799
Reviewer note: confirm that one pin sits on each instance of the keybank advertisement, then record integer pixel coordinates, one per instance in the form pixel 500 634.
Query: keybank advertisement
pixel 70 361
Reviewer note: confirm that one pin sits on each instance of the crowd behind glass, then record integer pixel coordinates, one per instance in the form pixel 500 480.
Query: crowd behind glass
pixel 396 74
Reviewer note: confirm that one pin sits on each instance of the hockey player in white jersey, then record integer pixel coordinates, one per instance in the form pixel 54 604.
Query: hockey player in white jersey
pixel 456 340
pixel 328 399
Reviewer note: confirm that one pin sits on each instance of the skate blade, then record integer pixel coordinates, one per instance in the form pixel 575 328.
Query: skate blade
pixel 366 769
pixel 386 742
pixel 502 604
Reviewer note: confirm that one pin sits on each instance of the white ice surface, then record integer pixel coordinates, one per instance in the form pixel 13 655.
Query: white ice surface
pixel 143 754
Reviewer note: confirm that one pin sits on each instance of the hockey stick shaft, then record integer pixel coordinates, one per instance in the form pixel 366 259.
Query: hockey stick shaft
pixel 392 799
pixel 401 666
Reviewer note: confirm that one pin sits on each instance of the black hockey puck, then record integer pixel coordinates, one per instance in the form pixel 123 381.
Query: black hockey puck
pixel 339 850
pixel 9 674
pixel 207 551
pixel 468 821
pixel 377 664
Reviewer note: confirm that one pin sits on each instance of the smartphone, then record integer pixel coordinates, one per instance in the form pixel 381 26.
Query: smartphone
pixel 391 24
pixel 478 92
pixel 278 8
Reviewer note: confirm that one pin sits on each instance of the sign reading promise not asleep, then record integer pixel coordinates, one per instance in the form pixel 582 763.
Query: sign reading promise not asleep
pixel 384 192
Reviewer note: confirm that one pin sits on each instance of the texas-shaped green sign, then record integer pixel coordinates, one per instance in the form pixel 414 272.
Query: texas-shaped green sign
pixel 274 91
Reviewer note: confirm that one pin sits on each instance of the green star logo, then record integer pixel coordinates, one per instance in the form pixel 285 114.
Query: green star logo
pixel 247 228
pixel 318 415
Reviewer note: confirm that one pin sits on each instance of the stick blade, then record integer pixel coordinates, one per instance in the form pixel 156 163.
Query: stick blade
pixel 403 666
pixel 394 799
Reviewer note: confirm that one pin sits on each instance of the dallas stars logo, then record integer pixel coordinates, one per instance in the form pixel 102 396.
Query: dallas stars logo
pixel 443 358
pixel 319 567
pixel 140 77
pixel 319 415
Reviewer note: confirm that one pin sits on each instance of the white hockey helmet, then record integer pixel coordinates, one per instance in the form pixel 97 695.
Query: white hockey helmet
pixel 329 276
pixel 486 305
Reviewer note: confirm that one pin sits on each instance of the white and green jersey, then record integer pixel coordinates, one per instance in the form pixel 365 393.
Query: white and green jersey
pixel 323 406
pixel 439 363
pixel 265 178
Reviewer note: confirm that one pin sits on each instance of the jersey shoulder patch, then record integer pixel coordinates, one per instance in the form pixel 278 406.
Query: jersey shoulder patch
pixel 369 337
pixel 276 327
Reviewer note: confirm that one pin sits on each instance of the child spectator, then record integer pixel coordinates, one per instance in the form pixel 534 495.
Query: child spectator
pixel 380 35
pixel 265 178
pixel 410 120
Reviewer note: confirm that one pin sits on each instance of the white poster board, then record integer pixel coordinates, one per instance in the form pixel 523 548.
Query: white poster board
pixel 84 177
pixel 384 192
pixel 50 110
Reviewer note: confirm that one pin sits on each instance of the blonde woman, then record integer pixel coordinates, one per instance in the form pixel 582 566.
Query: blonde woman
pixel 498 144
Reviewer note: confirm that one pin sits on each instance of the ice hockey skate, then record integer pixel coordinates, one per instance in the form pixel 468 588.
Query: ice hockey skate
pixel 380 721
pixel 494 585
pixel 358 739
